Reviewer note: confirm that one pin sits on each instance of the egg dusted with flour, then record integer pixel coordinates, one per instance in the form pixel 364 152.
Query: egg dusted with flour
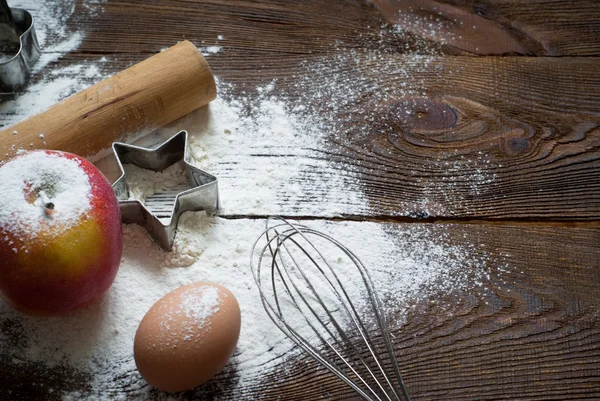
pixel 187 336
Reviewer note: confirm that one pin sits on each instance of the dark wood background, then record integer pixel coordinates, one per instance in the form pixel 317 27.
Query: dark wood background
pixel 524 91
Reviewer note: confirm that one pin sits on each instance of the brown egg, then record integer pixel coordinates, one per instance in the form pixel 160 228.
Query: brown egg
pixel 187 336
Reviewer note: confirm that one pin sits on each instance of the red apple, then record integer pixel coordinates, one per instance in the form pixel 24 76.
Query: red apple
pixel 61 236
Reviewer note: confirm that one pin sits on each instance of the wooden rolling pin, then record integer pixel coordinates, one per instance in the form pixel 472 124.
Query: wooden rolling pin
pixel 137 100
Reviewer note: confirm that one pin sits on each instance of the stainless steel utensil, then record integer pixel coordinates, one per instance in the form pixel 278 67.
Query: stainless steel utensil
pixel 160 212
pixel 19 47
pixel 322 297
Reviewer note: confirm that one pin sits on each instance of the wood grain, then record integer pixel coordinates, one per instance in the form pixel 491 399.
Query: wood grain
pixel 489 138
pixel 529 332
pixel 541 27
pixel 561 28
pixel 534 336
pixel 438 137
pixel 441 137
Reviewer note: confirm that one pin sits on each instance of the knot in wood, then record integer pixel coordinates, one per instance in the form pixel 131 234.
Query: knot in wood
pixel 422 115
pixel 514 142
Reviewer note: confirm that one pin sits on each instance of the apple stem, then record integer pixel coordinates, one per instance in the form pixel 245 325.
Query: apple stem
pixel 47 204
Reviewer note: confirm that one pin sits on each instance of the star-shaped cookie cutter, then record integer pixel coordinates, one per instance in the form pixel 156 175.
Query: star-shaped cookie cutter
pixel 160 212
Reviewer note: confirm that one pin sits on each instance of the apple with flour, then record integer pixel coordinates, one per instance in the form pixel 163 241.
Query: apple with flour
pixel 61 236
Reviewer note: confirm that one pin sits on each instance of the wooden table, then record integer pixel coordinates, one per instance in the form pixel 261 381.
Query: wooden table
pixel 517 99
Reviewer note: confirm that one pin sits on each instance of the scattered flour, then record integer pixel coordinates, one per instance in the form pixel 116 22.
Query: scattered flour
pixel 407 265
pixel 410 264
pixel 55 52
pixel 228 139
pixel 189 310
pixel 50 85
pixel 37 97
pixel 200 303
pixel 210 50
pixel 94 7
pixel 49 18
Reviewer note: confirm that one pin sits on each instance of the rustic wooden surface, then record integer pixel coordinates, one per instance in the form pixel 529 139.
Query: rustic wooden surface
pixel 535 118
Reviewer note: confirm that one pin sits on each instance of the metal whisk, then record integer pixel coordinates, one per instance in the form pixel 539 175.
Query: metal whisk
pixel 300 274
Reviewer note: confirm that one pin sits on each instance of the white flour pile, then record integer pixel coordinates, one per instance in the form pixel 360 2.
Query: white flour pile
pixel 143 183
pixel 230 137
pixel 59 176
pixel 294 175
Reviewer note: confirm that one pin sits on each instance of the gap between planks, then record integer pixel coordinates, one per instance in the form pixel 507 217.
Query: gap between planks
pixel 428 220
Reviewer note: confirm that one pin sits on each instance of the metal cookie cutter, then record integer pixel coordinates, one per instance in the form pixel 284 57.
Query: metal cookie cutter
pixel 160 212
pixel 19 47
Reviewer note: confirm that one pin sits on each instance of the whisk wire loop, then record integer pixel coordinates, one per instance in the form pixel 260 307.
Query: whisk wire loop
pixel 354 315
pixel 300 341
pixel 286 246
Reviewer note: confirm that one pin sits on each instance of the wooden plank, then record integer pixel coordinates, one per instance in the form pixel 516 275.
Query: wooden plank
pixel 455 137
pixel 489 137
pixel 534 338
pixel 432 137
pixel 559 27
pixel 439 137
pixel 531 331
pixel 248 26
pixel 542 27
pixel 491 27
